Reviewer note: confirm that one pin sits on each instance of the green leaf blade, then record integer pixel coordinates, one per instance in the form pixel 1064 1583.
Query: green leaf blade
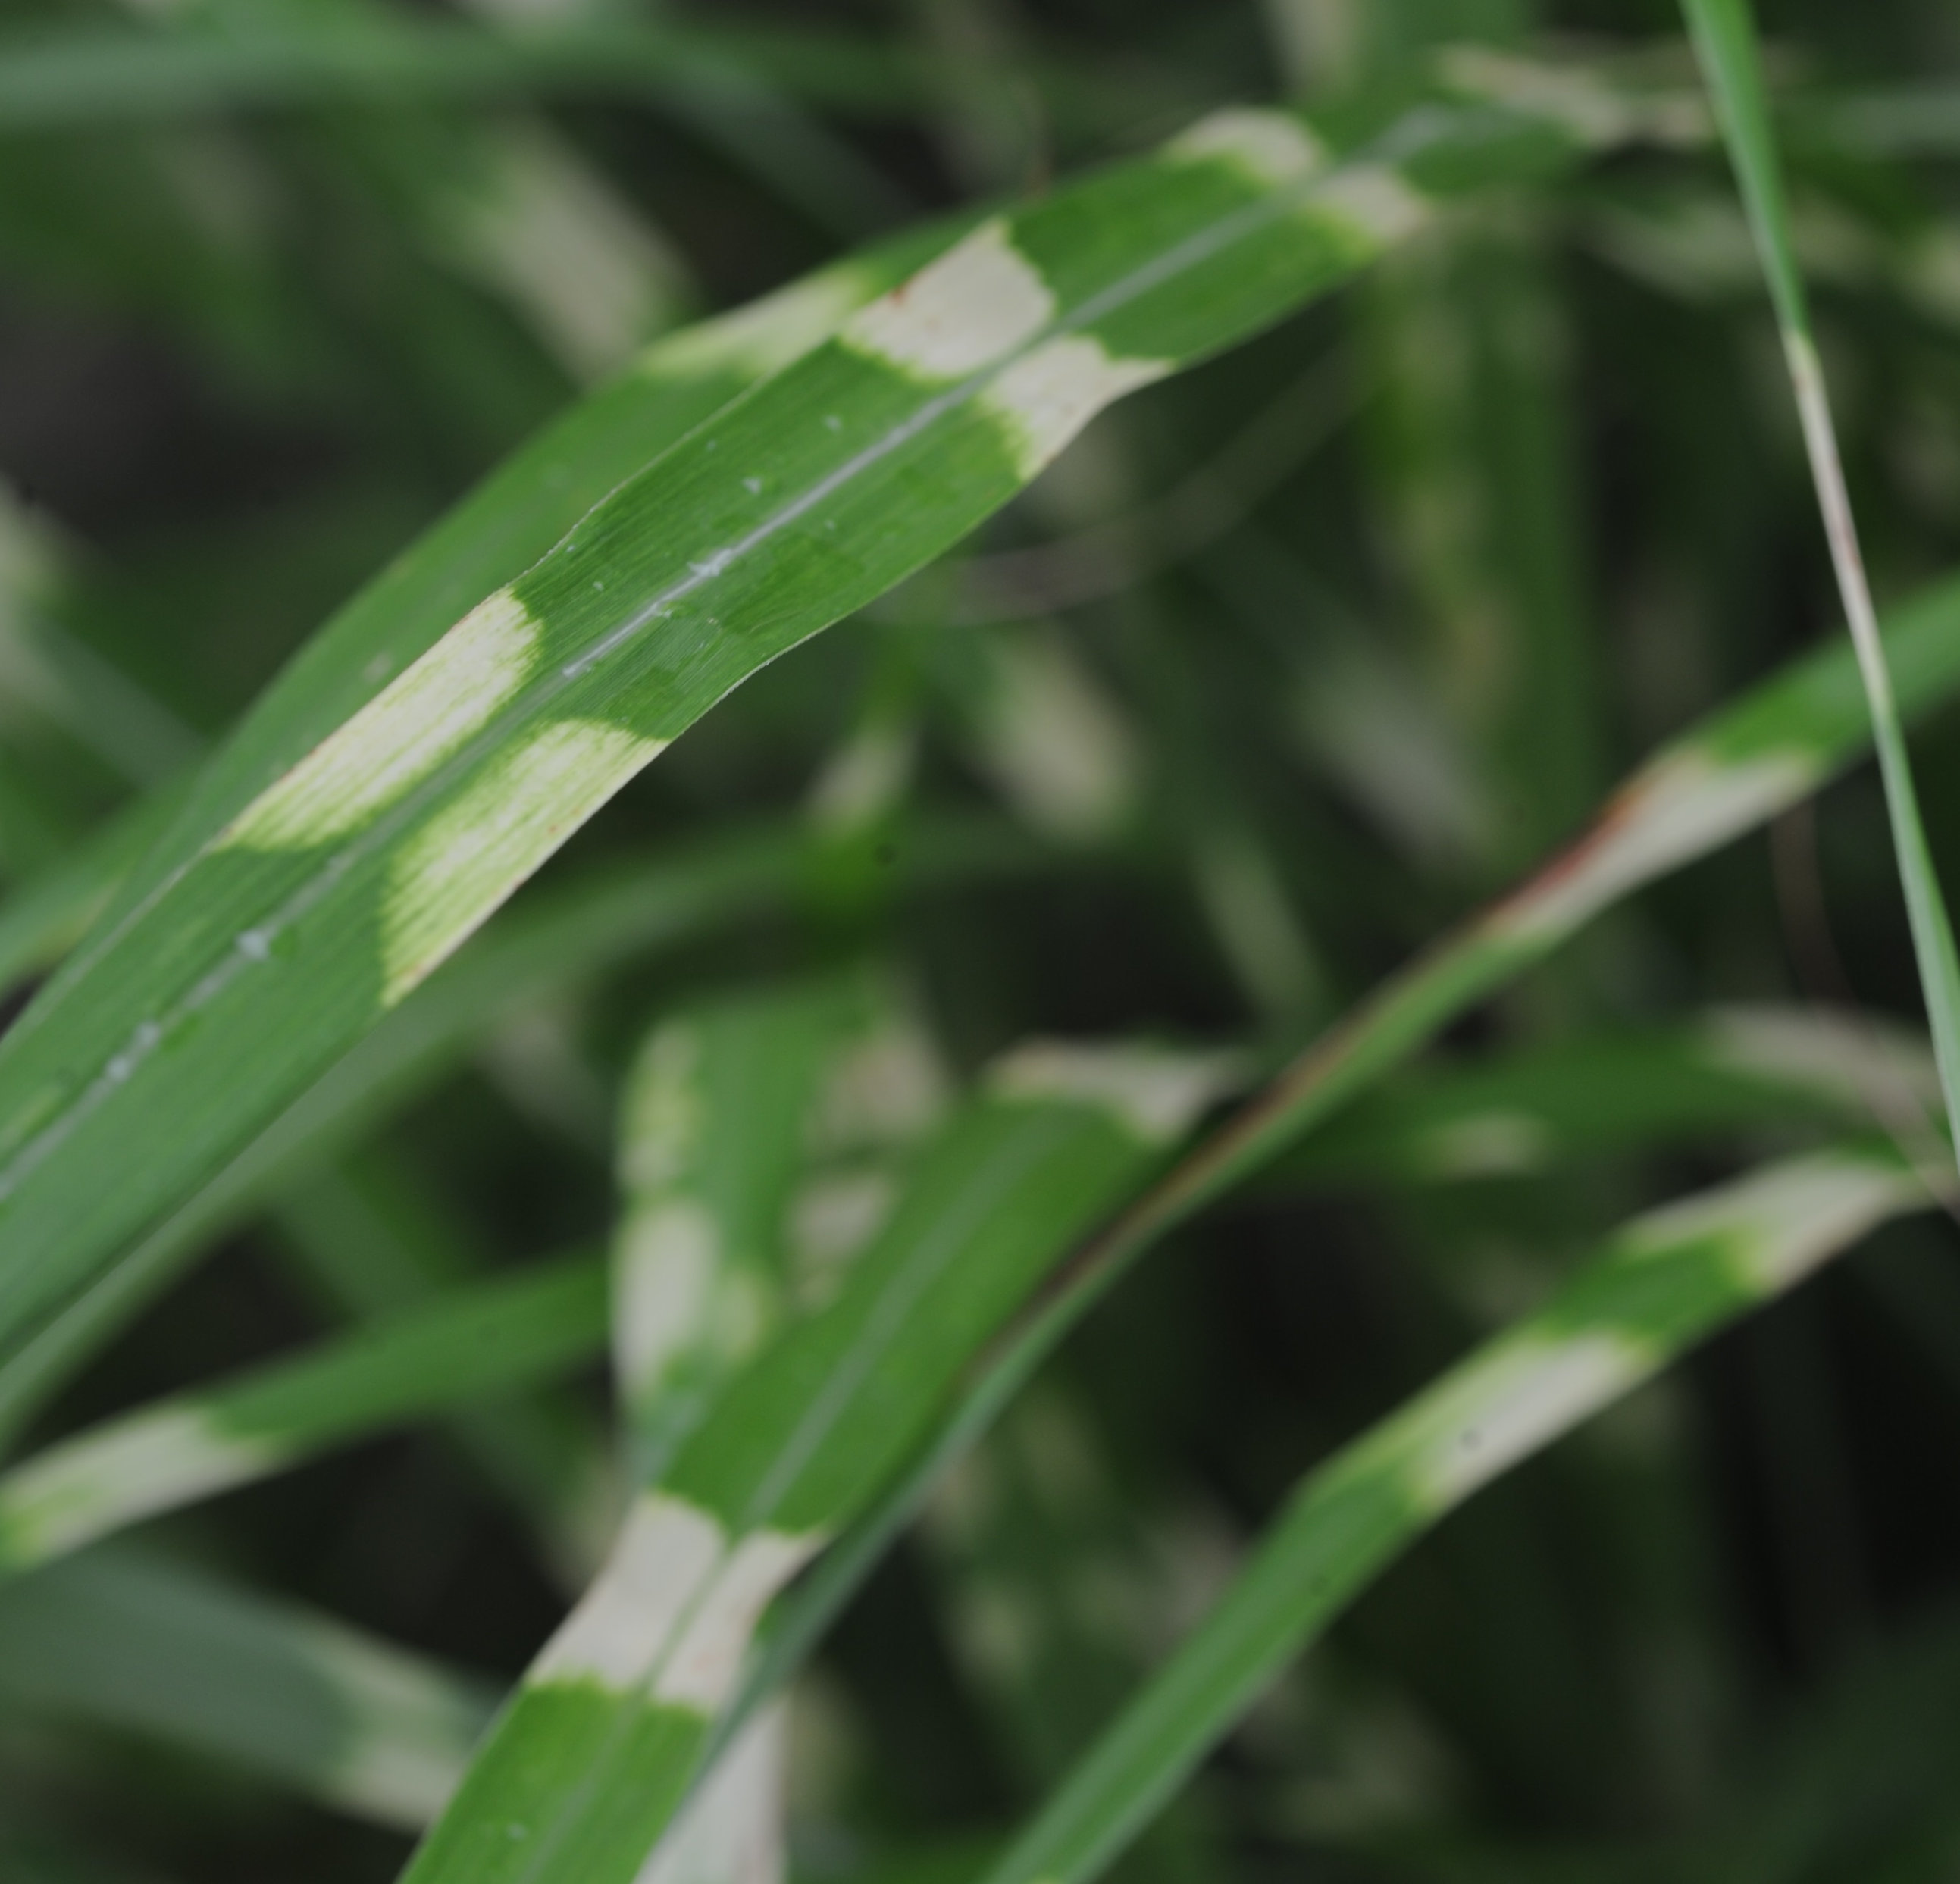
pixel 1664 1282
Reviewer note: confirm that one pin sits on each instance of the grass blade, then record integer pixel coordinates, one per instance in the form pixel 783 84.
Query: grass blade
pixel 600 1743
pixel 1724 40
pixel 510 520
pixel 341 885
pixel 722 1114
pixel 577 931
pixel 1668 1280
pixel 129 1642
pixel 1758 757
pixel 474 1343
pixel 1768 752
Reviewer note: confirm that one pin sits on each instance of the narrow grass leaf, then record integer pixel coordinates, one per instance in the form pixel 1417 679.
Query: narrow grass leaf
pixel 1667 1281
pixel 1725 39
pixel 1755 759
pixel 179 1030
pixel 127 1641
pixel 726 1109
pixel 1752 760
pixel 575 931
pixel 587 1766
pixel 478 1342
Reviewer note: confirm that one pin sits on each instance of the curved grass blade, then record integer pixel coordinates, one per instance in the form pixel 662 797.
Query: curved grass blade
pixel 472 1344
pixel 337 888
pixel 126 1640
pixel 1767 752
pixel 511 519
pixel 1666 1281
pixel 1754 759
pixel 592 1756
pixel 1724 40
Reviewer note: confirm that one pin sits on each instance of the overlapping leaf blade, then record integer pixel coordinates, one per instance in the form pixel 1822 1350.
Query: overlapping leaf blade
pixel 475 1343
pixel 1666 1281
pixel 1755 758
pixel 591 1759
pixel 332 892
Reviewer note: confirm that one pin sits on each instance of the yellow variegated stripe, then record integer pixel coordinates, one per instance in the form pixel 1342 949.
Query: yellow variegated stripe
pixel 74 1491
pixel 1046 397
pixel 979 304
pixel 671 1615
pixel 486 841
pixel 422 717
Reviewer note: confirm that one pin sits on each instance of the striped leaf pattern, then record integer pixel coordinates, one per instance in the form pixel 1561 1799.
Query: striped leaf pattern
pixel 324 898
pixel 823 1282
pixel 1667 1281
pixel 732 1221
pixel 472 1344
pixel 590 1759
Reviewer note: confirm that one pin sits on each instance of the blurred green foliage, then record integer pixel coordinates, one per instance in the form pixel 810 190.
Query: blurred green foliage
pixel 1287 664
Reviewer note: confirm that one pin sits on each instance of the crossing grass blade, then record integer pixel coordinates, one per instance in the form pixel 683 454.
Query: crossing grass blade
pixel 1767 752
pixel 1666 1281
pixel 338 886
pixel 127 1641
pixel 1726 41
pixel 593 1755
pixel 472 1344
pixel 1758 757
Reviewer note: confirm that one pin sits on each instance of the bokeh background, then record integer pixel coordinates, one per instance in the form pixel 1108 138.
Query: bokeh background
pixel 1288 664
